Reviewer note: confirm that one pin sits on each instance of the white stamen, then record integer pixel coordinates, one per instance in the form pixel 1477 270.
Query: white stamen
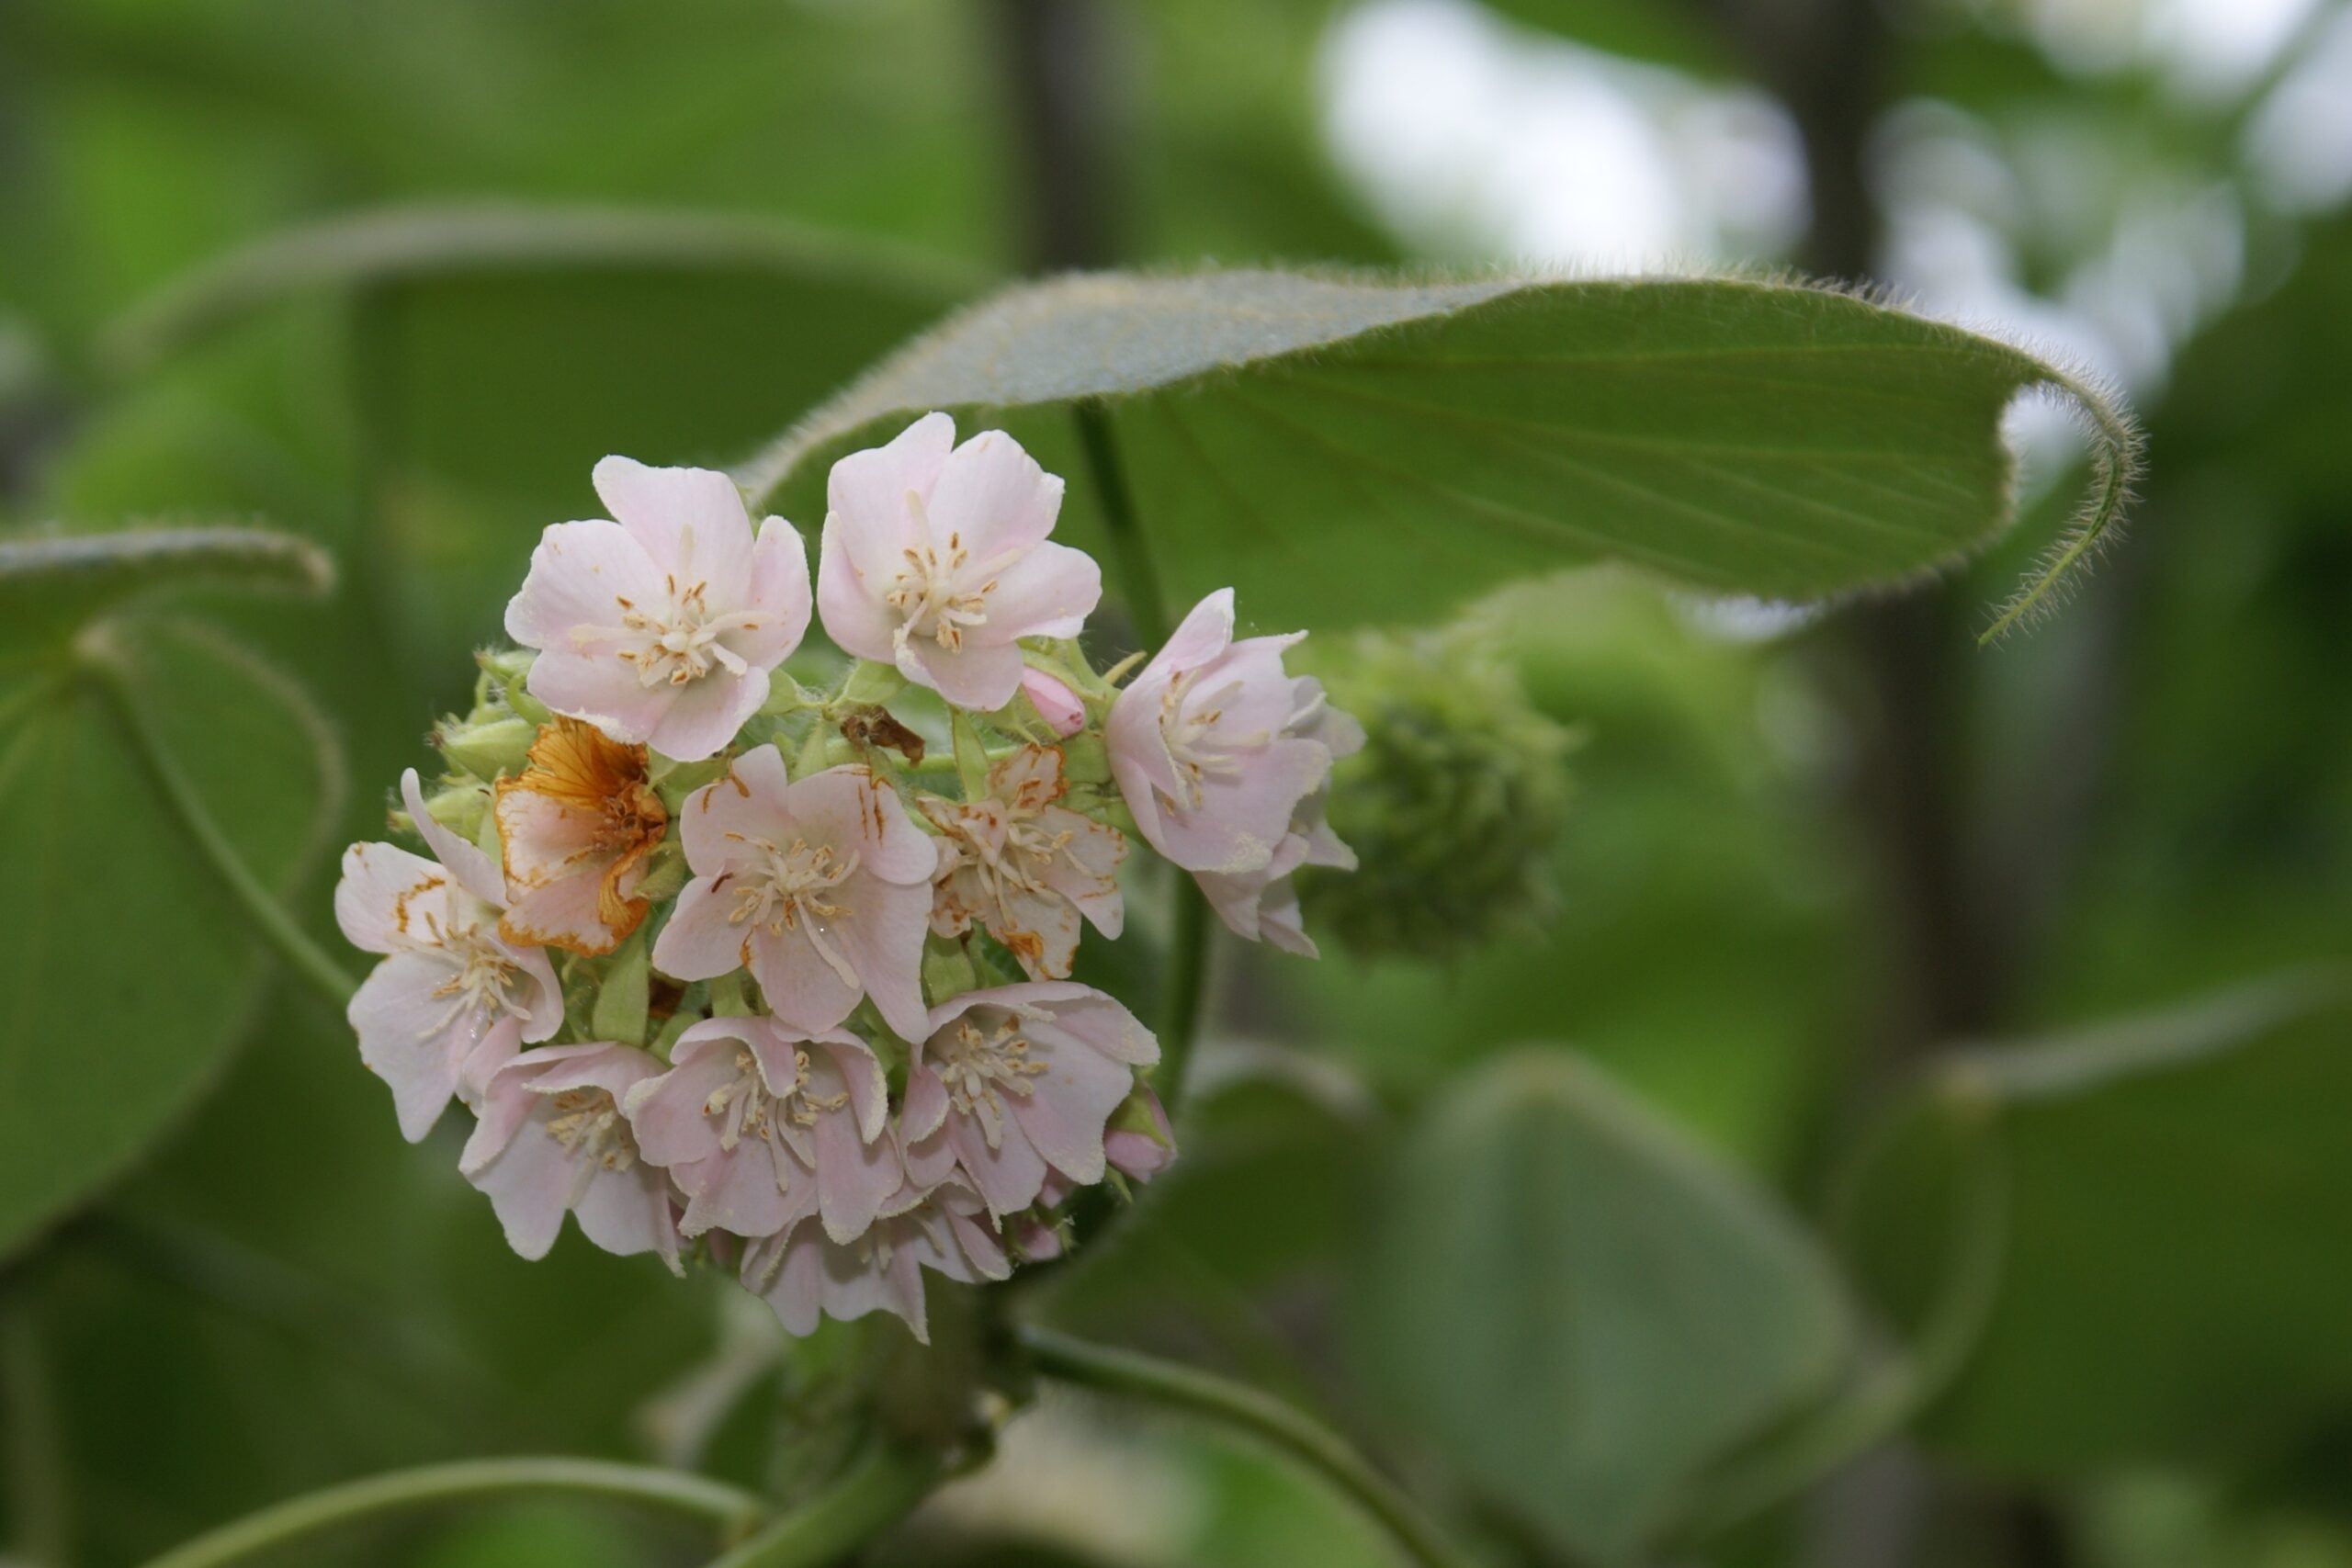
pixel 681 637
pixel 785 892
pixel 978 1067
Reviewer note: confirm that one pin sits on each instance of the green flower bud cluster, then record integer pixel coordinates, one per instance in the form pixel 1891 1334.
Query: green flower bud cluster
pixel 1453 804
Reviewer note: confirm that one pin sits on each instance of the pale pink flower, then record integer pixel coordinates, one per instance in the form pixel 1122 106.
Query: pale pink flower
pixel 934 560
pixel 552 1140
pixel 661 628
pixel 1025 866
pixel 760 1126
pixel 1060 706
pixel 1201 745
pixel 1263 905
pixel 1017 1081
pixel 454 998
pixel 803 1273
pixel 821 888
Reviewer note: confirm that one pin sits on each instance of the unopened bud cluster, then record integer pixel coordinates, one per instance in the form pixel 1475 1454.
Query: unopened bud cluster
pixel 1455 800
pixel 731 969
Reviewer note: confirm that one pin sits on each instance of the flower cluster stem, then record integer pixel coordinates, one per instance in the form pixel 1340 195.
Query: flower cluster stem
pixel 1147 603
pixel 1188 952
pixel 1292 1431
pixel 1138 576
pixel 270 917
pixel 729 1508
pixel 876 1494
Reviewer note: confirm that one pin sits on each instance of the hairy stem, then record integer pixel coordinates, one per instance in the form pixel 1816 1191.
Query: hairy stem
pixel 1131 552
pixel 729 1508
pixel 1246 1409
pixel 876 1494
pixel 261 906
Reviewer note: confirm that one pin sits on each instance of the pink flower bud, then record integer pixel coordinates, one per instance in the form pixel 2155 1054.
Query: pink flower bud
pixel 1054 702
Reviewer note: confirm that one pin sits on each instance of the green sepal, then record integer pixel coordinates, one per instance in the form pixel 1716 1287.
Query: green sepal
pixel 727 999
pixel 674 782
pixel 872 682
pixel 621 997
pixel 486 746
pixel 1085 758
pixel 947 969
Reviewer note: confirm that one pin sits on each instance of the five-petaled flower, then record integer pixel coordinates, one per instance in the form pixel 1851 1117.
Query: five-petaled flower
pixel 1263 905
pixel 820 887
pixel 803 1272
pixel 1015 1081
pixel 761 1126
pixel 1025 866
pixel 574 830
pixel 552 1140
pixel 935 559
pixel 454 998
pixel 661 628
pixel 1202 746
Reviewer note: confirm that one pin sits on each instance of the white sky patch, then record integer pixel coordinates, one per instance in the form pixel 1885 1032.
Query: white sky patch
pixel 2208 50
pixel 2164 255
pixel 2299 143
pixel 1478 140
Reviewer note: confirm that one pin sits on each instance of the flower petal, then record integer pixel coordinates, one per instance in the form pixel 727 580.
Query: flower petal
pixel 690 522
pixel 580 572
pixel 387 895
pixel 992 499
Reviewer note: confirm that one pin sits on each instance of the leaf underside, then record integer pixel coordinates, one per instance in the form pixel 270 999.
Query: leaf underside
pixel 1344 450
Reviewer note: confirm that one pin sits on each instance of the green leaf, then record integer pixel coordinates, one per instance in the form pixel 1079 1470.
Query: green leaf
pixel 389 245
pixel 487 397
pixel 128 980
pixel 2176 1284
pixel 1349 450
pixel 1579 1309
pixel 52 582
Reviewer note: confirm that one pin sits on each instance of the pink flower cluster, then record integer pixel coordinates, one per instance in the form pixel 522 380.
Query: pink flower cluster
pixel 839 954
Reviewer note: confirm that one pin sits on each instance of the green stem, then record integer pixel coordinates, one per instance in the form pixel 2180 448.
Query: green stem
pixel 270 917
pixel 727 1507
pixel 1140 579
pixel 879 1491
pixel 1900 1393
pixel 36 1467
pixel 1189 912
pixel 1268 1419
pixel 1180 1015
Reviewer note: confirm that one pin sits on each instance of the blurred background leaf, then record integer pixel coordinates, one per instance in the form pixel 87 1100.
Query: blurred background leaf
pixel 1577 1310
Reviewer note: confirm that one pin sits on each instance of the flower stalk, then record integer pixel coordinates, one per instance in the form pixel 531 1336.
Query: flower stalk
pixel 879 1491
pixel 1135 1376
pixel 269 918
pixel 730 1510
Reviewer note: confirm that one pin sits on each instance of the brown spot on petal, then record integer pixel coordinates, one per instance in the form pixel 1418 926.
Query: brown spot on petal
pixel 603 782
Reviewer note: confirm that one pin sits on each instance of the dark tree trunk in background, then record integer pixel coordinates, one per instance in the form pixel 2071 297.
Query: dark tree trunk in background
pixel 1904 667
pixel 1059 67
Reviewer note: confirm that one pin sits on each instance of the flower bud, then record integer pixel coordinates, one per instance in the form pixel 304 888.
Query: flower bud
pixel 486 745
pixel 1054 702
pixel 508 670
pixel 462 808
pixel 1453 804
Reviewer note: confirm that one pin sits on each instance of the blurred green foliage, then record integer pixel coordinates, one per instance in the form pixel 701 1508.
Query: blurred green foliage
pixel 2153 797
